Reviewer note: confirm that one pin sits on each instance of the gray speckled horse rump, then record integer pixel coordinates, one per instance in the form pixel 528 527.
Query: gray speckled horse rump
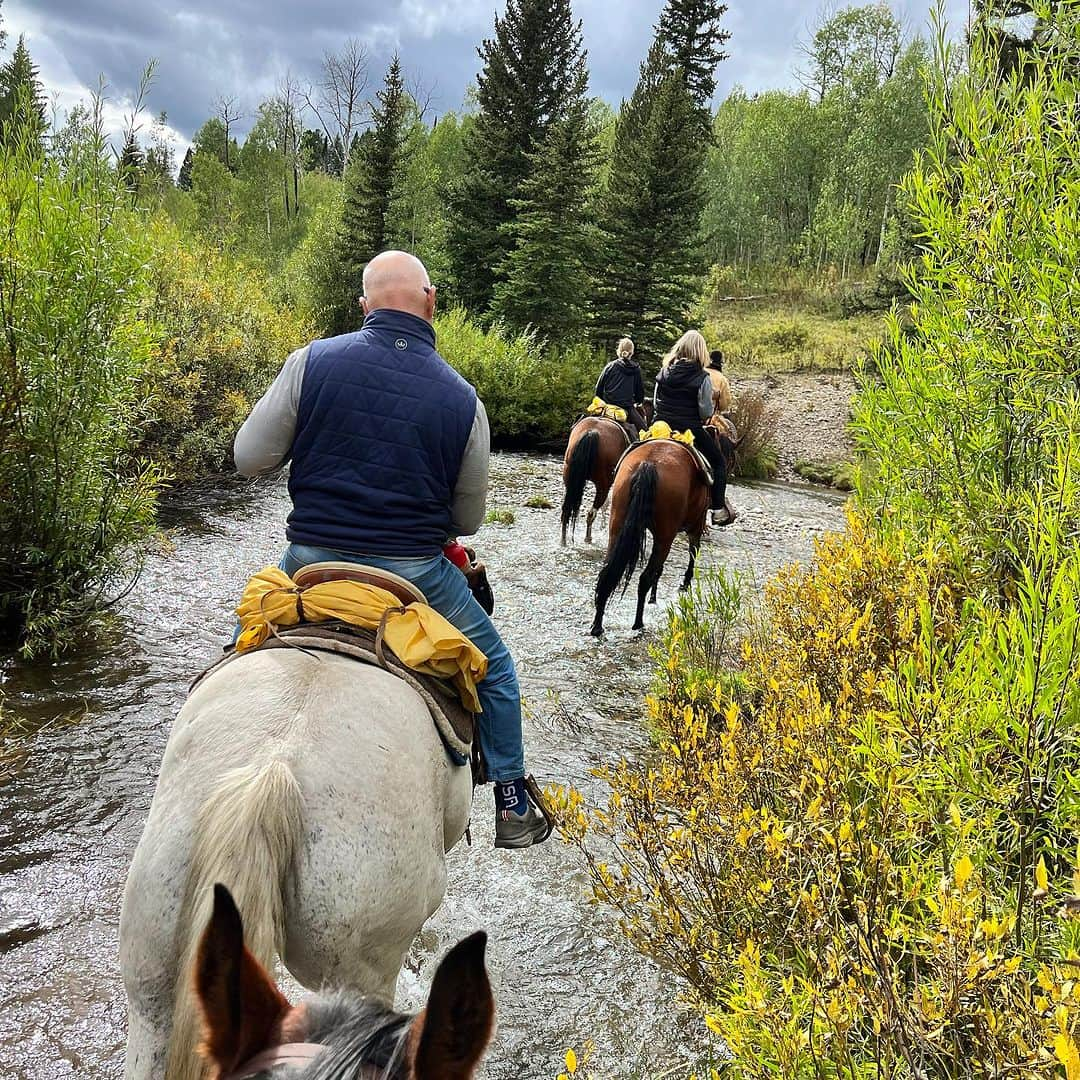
pixel 319 792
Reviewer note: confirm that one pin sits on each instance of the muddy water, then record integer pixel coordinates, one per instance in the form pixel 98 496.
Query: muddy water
pixel 73 800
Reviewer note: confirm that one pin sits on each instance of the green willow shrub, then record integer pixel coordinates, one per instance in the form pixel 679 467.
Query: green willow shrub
pixel 74 344
pixel 219 343
pixel 529 392
pixel 978 402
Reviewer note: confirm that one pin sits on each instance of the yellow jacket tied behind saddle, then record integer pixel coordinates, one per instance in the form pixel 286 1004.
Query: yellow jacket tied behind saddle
pixel 599 407
pixel 417 634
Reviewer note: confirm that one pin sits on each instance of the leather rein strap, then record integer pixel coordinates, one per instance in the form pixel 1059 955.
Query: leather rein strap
pixel 297 1054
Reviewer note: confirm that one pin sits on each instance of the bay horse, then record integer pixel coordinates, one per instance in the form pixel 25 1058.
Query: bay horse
pixel 659 488
pixel 318 791
pixel 596 443
pixel 250 1029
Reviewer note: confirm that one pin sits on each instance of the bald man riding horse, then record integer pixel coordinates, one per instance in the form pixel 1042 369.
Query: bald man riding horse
pixel 389 457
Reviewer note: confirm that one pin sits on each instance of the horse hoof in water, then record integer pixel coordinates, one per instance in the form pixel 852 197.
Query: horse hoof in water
pixel 596 631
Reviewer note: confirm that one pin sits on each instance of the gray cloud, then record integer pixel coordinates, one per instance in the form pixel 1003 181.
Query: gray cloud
pixel 208 47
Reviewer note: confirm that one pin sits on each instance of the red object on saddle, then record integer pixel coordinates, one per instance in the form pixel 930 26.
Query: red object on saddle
pixel 457 555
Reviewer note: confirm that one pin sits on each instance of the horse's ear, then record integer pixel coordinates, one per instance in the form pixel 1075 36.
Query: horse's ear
pixel 241 1005
pixel 457 1023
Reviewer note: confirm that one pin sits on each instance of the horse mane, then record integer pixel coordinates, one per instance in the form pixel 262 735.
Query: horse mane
pixel 362 1037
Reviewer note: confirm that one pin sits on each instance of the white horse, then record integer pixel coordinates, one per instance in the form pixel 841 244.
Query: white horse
pixel 319 792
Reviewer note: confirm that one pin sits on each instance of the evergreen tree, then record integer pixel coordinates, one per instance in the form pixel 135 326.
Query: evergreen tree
pixel 131 162
pixel 532 76
pixel 183 181
pixel 690 31
pixel 651 211
pixel 547 282
pixel 22 100
pixel 375 169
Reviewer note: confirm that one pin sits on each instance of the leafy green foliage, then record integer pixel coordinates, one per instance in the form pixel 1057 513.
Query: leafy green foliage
pixel 976 418
pixel 529 392
pixel 860 854
pixel 810 177
pixel 73 348
pixel 218 344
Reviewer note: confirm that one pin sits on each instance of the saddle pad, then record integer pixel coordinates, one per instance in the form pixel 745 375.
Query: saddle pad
pixel 455 724
pixel 699 459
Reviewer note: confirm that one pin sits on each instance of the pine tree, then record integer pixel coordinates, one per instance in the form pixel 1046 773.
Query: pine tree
pixel 531 78
pixel 651 211
pixel 547 282
pixel 22 100
pixel 690 31
pixel 131 162
pixel 183 181
pixel 375 168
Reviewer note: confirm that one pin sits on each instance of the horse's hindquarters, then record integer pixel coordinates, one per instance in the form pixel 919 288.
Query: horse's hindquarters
pixel 379 802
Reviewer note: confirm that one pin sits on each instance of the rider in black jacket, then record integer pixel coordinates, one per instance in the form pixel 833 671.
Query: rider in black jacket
pixel 684 400
pixel 620 384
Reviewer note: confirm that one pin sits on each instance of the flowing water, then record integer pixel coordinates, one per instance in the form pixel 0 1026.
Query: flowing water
pixel 75 793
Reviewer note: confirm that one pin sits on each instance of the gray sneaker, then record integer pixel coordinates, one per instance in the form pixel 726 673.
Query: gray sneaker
pixel 520 830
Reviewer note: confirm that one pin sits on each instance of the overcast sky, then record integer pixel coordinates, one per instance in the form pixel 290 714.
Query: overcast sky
pixel 205 48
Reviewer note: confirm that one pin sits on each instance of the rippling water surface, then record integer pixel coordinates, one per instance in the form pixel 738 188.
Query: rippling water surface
pixel 74 798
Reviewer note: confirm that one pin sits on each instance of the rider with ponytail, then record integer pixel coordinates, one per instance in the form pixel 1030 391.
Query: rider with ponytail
pixel 684 400
pixel 620 384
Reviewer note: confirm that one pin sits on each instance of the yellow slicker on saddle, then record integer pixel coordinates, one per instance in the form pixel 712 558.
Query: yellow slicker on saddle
pixel 599 407
pixel 417 634
pixel 662 430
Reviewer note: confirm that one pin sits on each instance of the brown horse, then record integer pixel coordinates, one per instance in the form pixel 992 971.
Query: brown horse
pixel 659 488
pixel 250 1029
pixel 593 451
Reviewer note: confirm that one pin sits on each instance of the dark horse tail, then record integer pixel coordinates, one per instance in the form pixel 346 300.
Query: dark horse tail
pixel 578 471
pixel 629 548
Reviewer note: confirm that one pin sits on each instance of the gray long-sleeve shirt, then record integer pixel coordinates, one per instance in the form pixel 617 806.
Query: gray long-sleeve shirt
pixel 265 439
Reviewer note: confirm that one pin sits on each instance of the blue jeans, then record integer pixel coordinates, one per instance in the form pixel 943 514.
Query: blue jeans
pixel 447 591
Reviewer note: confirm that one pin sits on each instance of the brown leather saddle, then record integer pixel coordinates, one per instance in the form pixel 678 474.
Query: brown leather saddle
pixel 455 723
pixel 628 429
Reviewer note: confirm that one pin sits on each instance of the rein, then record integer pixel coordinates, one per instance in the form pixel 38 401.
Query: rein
pixel 286 1054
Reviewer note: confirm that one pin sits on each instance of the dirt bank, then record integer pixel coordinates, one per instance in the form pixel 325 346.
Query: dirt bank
pixel 813 411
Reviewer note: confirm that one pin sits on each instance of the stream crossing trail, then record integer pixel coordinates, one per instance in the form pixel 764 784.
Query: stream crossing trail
pixel 74 796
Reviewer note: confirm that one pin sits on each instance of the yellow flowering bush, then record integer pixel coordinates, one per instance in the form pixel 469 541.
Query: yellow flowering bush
pixel 843 853
pixel 219 344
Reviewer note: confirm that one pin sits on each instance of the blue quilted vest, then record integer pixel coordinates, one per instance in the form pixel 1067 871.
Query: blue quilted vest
pixel 381 429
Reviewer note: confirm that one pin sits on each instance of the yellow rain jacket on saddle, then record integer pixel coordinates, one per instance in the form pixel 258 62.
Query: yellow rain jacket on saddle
pixel 599 407
pixel 662 430
pixel 417 634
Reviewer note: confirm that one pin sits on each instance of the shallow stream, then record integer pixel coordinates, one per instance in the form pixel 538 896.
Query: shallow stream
pixel 74 797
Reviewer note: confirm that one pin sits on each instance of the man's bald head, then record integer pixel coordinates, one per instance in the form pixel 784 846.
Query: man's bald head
pixel 398 280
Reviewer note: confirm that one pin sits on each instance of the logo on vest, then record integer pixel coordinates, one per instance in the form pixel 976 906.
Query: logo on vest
pixel 401 344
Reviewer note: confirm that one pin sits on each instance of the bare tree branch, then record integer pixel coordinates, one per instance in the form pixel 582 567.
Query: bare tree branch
pixel 338 100
pixel 229 112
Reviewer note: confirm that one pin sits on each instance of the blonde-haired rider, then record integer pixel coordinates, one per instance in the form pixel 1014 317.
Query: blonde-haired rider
pixel 620 383
pixel 684 400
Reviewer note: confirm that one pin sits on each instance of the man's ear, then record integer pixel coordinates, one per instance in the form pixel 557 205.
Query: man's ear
pixel 241 1005
pixel 430 299
pixel 460 1014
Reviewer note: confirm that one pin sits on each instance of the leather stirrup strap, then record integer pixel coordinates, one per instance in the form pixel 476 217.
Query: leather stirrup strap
pixel 380 633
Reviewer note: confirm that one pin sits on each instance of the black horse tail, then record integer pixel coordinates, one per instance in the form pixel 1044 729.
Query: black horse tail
pixel 628 551
pixel 582 460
